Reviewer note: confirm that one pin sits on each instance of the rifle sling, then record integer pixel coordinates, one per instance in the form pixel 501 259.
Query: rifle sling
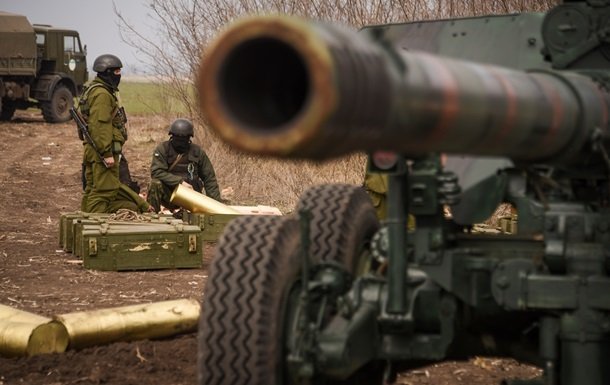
pixel 175 162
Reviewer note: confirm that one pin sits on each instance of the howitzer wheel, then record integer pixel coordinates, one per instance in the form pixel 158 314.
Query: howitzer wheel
pixel 343 223
pixel 255 264
pixel 256 269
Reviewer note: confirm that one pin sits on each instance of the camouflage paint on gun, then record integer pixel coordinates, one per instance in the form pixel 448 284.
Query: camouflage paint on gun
pixel 285 87
pixel 534 88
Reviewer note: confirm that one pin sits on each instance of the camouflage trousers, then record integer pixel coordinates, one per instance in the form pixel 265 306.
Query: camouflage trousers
pixel 104 193
pixel 379 202
pixel 101 186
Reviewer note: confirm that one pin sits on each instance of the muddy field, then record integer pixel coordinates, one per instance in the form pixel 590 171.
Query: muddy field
pixel 39 179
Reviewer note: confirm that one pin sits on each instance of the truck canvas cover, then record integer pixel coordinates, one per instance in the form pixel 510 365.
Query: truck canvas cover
pixel 17 45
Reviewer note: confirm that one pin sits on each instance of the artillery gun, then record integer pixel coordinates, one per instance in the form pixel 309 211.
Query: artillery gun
pixel 518 103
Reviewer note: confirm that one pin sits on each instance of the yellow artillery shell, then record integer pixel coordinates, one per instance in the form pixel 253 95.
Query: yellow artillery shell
pixel 130 323
pixel 26 334
pixel 199 203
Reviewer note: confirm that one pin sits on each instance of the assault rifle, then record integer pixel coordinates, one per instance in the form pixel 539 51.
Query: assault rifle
pixel 83 131
pixel 121 115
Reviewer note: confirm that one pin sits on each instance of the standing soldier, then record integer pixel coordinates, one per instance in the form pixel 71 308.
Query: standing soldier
pixel 178 161
pixel 106 119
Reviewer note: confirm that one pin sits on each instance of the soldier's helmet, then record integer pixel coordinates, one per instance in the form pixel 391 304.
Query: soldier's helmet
pixel 106 61
pixel 181 127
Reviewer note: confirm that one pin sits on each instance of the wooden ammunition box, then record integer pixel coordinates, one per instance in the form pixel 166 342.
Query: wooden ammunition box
pixel 140 246
pixel 66 226
pixel 70 222
pixel 211 225
pixel 508 224
pixel 77 225
pixel 76 230
pixel 64 218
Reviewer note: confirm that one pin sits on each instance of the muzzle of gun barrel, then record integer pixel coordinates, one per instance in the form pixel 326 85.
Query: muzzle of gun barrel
pixel 286 87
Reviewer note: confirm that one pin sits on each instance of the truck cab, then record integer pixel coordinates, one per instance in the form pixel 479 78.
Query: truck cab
pixel 43 66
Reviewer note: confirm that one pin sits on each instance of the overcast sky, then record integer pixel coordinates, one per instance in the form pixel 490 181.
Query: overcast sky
pixel 94 19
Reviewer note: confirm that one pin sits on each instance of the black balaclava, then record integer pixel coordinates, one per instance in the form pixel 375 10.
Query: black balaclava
pixel 180 143
pixel 110 78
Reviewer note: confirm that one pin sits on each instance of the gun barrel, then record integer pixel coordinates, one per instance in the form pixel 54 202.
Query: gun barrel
pixel 283 86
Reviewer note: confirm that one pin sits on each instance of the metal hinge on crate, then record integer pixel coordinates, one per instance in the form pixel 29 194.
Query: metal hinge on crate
pixel 92 246
pixel 192 243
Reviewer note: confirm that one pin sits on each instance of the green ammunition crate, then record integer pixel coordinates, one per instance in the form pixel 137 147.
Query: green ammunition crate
pixel 75 230
pixel 64 218
pixel 69 224
pixel 140 246
pixel 77 225
pixel 212 225
pixel 66 226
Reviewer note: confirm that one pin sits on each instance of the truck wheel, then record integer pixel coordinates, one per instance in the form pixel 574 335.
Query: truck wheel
pixel 240 329
pixel 7 110
pixel 342 224
pixel 58 108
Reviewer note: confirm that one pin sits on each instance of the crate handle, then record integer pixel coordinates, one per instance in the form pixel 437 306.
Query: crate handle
pixel 92 246
pixel 192 243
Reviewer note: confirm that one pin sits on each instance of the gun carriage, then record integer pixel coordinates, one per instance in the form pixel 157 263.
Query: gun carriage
pixel 464 113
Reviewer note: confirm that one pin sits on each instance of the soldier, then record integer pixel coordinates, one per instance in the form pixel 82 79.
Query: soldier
pixel 99 106
pixel 178 161
pixel 376 185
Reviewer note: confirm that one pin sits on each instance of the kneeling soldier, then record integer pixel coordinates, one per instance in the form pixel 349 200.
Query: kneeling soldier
pixel 178 161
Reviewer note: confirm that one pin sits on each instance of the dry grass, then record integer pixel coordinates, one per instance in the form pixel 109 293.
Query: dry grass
pixel 255 180
pixel 187 29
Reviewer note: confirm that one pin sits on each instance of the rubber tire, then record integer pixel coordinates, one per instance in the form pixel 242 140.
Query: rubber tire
pixel 7 112
pixel 57 109
pixel 342 224
pixel 255 264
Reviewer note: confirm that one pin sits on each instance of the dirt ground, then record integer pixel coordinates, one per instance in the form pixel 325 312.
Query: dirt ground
pixel 39 179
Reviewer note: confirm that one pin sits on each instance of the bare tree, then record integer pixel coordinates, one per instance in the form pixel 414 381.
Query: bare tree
pixel 184 27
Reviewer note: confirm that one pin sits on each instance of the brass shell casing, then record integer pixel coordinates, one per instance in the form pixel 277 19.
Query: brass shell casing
pixel 130 323
pixel 198 203
pixel 27 334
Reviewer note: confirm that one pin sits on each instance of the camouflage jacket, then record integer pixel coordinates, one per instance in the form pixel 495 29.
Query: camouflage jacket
pixel 195 164
pixel 99 105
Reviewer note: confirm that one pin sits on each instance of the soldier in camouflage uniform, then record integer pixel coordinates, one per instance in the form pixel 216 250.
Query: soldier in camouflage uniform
pixel 178 161
pixel 376 185
pixel 104 193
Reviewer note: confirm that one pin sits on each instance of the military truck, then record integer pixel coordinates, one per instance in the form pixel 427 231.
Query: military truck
pixel 40 66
